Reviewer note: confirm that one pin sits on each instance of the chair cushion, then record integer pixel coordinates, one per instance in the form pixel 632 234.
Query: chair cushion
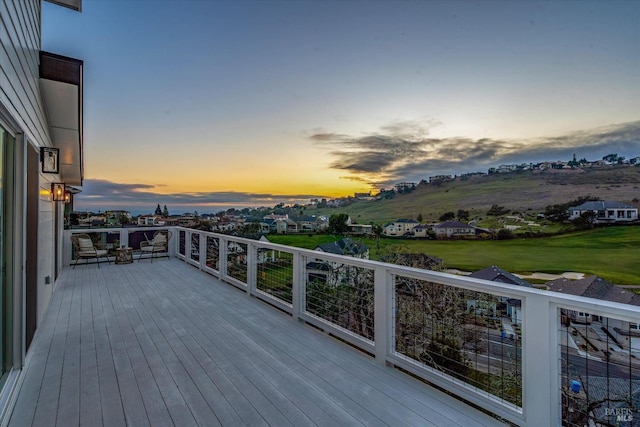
pixel 159 239
pixel 85 244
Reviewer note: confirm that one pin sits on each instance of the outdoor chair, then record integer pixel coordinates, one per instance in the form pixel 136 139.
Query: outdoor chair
pixel 85 248
pixel 156 246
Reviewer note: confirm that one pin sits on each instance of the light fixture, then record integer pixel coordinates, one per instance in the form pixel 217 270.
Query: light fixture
pixel 50 158
pixel 57 191
pixel 67 197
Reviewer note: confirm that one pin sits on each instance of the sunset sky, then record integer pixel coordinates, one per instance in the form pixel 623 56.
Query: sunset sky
pixel 202 104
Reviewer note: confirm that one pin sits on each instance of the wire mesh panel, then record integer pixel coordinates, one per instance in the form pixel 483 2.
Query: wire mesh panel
pixel 237 260
pixel 195 247
pixel 182 237
pixel 213 253
pixel 137 236
pixel 275 273
pixel 342 294
pixel 471 336
pixel 600 370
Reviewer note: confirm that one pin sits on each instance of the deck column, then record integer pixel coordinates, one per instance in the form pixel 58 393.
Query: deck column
pixel 541 362
pixel 383 310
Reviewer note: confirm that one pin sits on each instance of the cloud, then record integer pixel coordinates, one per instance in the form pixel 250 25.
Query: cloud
pixel 403 151
pixel 100 194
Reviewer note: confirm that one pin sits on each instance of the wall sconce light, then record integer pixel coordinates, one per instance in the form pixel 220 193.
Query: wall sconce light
pixel 67 197
pixel 50 158
pixel 57 191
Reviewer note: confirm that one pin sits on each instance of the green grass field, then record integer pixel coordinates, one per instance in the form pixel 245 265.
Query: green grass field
pixel 612 253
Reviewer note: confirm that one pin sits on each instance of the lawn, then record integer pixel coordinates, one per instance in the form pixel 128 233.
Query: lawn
pixel 612 253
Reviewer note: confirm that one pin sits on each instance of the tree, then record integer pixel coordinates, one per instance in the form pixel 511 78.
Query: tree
pixel 447 216
pixel 419 218
pixel 338 223
pixel 586 220
pixel 165 211
pixel 504 234
pixel 463 215
pixel 158 210
pixel 611 158
pixel 497 210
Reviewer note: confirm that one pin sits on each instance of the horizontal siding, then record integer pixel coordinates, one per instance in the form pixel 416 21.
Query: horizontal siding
pixel 19 74
pixel 21 99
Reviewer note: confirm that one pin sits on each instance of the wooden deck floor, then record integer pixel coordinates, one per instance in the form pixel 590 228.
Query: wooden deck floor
pixel 165 344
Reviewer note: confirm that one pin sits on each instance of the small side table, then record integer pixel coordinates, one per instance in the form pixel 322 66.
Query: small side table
pixel 124 255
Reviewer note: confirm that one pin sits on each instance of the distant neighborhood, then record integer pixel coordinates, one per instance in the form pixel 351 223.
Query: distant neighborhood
pixel 594 212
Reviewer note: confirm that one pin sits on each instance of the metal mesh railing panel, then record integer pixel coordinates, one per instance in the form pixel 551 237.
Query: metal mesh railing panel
pixel 342 294
pixel 600 370
pixel 275 273
pixel 237 260
pixel 471 336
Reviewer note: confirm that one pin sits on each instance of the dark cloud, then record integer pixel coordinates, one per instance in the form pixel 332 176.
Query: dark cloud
pixel 141 198
pixel 403 151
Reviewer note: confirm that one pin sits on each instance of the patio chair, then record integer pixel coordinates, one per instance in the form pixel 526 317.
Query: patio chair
pixel 85 248
pixel 156 246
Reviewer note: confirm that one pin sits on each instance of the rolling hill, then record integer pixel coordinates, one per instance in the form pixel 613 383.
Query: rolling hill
pixel 518 191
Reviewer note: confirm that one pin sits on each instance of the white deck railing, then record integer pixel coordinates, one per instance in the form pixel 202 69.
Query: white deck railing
pixel 443 328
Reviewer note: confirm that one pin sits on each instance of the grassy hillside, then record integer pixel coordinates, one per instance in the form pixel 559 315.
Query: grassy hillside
pixel 523 191
pixel 611 253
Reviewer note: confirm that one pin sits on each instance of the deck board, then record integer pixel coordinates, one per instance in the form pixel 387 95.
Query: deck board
pixel 165 344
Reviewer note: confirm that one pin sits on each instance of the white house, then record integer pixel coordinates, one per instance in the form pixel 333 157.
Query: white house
pixel 41 139
pixel 400 227
pixel 149 221
pixel 606 211
pixel 453 229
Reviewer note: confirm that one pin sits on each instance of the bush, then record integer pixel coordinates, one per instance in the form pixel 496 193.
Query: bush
pixel 504 234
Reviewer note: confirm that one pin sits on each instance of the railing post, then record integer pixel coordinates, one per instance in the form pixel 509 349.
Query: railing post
pixel 298 286
pixel 124 237
pixel 222 265
pixel 252 269
pixel 540 362
pixel 202 247
pixel 67 247
pixel 383 313
pixel 174 242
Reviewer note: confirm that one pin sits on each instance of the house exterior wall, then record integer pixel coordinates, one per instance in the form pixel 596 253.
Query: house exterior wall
pixel 612 214
pixel 399 228
pixel 22 104
pixel 26 191
pixel 450 232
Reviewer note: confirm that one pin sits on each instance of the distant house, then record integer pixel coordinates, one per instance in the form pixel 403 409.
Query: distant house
pixel 361 229
pixel 363 196
pixel 439 178
pixel 117 217
pixel 400 227
pixel 606 211
pixel 627 334
pixel 306 224
pixel 512 306
pixel 453 229
pixel 403 187
pixel 422 230
pixel 284 226
pixel 334 273
pixel 345 246
pixel 149 221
